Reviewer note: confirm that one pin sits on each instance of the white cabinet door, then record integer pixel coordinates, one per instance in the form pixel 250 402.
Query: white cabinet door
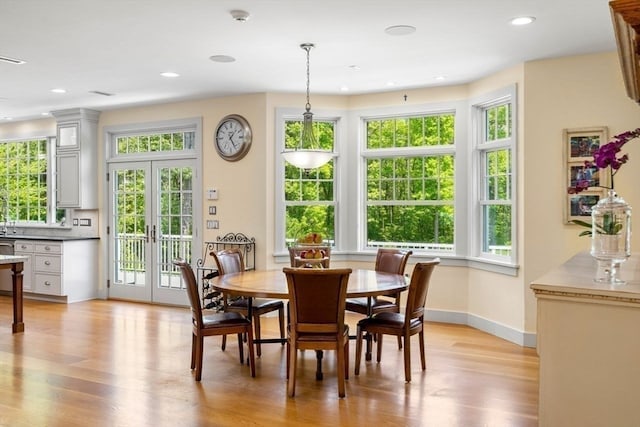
pixel 68 179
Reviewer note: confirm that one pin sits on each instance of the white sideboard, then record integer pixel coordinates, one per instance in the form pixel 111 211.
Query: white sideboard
pixel 588 337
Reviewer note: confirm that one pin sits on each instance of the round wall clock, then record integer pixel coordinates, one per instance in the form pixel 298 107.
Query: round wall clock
pixel 233 137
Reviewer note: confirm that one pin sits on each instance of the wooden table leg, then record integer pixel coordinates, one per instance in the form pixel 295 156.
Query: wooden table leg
pixel 18 324
pixel 319 355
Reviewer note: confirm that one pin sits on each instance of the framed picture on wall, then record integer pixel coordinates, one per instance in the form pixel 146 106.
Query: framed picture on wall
pixel 580 144
pixel 578 147
pixel 579 205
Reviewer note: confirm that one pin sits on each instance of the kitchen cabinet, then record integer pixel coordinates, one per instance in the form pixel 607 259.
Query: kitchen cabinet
pixel 60 270
pixel 76 158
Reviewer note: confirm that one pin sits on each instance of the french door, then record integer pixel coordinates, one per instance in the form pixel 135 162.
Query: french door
pixel 151 223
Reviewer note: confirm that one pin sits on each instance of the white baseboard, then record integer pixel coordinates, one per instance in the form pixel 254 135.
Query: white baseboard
pixel 525 339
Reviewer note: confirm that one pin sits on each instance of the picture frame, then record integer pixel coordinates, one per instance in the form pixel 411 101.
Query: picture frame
pixel 578 147
pixel 579 205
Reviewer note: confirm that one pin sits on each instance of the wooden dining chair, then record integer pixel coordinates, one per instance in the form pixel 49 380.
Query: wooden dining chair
pixel 388 261
pixel 213 324
pixel 232 261
pixel 316 326
pixel 401 325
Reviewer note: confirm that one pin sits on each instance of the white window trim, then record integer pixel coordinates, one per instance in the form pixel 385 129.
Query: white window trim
pixel 281 116
pixel 478 258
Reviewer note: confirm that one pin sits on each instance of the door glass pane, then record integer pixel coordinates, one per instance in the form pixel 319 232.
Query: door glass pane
pixel 130 228
pixel 175 222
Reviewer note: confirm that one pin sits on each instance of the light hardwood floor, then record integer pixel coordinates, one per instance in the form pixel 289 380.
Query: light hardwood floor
pixel 111 363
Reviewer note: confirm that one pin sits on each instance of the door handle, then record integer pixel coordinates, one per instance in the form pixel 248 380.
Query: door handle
pixel 146 234
pixel 153 233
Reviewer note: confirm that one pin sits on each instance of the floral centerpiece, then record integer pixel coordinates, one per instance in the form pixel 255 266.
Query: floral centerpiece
pixel 610 227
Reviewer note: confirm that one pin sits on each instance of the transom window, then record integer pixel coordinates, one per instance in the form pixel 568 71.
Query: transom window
pixel 409 175
pixel 156 142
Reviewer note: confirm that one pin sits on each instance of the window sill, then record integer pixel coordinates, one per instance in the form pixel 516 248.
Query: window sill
pixel 484 264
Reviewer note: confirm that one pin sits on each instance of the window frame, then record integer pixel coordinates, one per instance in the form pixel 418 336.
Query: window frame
pixel 405 153
pixel 50 183
pixel 282 115
pixel 480 147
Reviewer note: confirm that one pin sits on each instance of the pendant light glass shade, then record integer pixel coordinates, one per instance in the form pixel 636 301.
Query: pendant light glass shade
pixel 307 155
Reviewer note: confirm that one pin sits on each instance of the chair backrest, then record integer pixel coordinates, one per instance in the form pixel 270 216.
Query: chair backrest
pixel 418 288
pixel 296 251
pixel 192 291
pixel 392 260
pixel 229 261
pixel 317 299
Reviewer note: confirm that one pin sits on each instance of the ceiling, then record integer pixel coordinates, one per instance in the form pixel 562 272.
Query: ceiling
pixel 120 47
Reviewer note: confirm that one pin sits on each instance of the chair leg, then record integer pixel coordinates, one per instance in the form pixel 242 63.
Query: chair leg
pixel 193 350
pixel 256 324
pixel 407 358
pixel 346 358
pixel 356 369
pixel 250 348
pixel 291 379
pixel 399 342
pixel 281 318
pixel 224 342
pixel 340 371
pixel 241 348
pixel 422 358
pixel 199 351
pixel 379 354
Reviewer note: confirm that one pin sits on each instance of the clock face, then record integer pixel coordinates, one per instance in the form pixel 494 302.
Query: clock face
pixel 233 137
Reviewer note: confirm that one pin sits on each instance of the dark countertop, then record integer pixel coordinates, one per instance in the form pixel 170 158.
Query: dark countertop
pixel 51 238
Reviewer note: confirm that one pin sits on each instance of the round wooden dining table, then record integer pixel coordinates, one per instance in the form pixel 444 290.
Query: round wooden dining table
pixel 273 284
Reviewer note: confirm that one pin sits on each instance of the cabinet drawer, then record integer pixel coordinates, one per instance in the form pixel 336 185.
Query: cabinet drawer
pixel 21 247
pixel 49 264
pixel 48 248
pixel 48 284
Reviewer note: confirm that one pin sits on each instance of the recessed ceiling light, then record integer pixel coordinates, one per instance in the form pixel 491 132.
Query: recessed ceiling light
pixel 12 60
pixel 222 58
pixel 170 74
pixel 522 20
pixel 8 118
pixel 344 88
pixel 439 78
pixel 59 90
pixel 44 114
pixel 390 83
pixel 400 30
pixel 240 15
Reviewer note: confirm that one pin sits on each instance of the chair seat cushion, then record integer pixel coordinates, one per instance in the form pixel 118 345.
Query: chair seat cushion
pixel 387 320
pixel 359 305
pixel 223 319
pixel 257 303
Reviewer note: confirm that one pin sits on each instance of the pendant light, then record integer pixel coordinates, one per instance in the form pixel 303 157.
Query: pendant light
pixel 308 154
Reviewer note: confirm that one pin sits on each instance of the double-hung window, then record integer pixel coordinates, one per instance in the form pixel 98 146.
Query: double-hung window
pixel 495 148
pixel 409 176
pixel 26 192
pixel 310 194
